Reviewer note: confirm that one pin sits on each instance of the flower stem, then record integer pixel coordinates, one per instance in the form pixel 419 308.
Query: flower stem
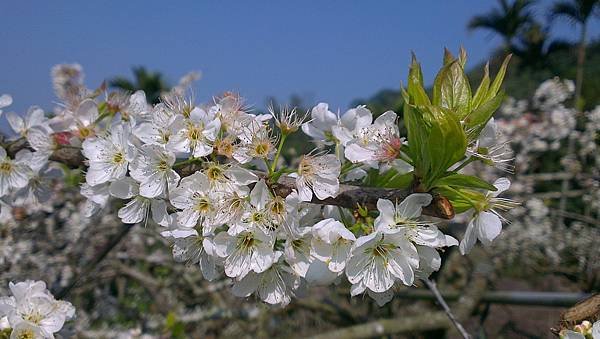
pixel 279 148
pixel 465 163
pixel 185 162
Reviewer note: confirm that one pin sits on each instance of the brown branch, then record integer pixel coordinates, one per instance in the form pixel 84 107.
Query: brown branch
pixel 383 327
pixel 349 196
pixel 588 309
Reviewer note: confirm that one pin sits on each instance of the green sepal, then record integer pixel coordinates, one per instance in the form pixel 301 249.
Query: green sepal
pixel 463 180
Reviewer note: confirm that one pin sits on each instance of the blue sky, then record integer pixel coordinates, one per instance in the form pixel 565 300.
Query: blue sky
pixel 333 51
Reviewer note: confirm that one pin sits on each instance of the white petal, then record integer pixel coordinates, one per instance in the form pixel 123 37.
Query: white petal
pixel 410 208
pixel 326 188
pixel 319 274
pixel 501 184
pixel 153 186
pixel 378 277
pixel 357 289
pixel 468 241
pixel 339 257
pixel 134 211
pixel 400 268
pixel 488 227
pixel 241 175
pixel 124 188
pixel 245 287
pixel 262 258
pixel 5 100
pixel 260 195
pixel 15 122
pixel 356 153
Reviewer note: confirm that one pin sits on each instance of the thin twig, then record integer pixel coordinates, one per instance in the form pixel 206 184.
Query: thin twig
pixel 432 286
pixel 89 267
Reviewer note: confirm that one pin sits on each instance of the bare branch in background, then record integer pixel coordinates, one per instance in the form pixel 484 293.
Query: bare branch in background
pixel 438 296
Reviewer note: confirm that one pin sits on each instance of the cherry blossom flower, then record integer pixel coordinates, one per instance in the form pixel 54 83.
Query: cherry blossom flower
pixel 331 243
pixel 138 208
pixel 486 224
pixel 197 203
pixel 97 198
pixel 153 168
pixel 248 250
pixel 319 127
pixel 196 249
pixel 274 286
pixel 32 310
pixel 162 125
pixel 379 142
pixel 319 174
pixel 288 120
pixel 109 155
pixel 297 251
pixel 14 174
pixel 351 123
pixel 379 259
pixel 35 117
pixel 256 143
pixel 82 123
pixel 404 217
pixel 195 134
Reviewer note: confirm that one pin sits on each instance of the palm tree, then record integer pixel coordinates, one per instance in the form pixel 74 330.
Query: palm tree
pixel 152 83
pixel 578 12
pixel 507 21
pixel 534 46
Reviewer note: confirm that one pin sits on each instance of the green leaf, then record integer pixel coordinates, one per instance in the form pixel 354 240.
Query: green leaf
pixel 495 87
pixel 476 120
pixel 448 57
pixel 462 57
pixel 451 89
pixel 417 131
pixel 416 91
pixel 483 88
pixel 446 144
pixel 462 180
pixel 389 179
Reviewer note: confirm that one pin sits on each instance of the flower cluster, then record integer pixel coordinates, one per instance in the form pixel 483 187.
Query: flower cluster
pixel 210 176
pixel 32 312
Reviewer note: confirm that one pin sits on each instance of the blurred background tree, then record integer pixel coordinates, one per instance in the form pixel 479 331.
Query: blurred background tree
pixel 153 83
pixel 508 21
pixel 578 12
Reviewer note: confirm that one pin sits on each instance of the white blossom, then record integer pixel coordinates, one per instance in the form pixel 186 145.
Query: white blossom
pixel 35 117
pixel 14 174
pixel 379 259
pixel 109 155
pixel 153 169
pixel 486 224
pixel 248 250
pixel 319 127
pixel 379 142
pixel 319 174
pixel 331 243
pixel 32 310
